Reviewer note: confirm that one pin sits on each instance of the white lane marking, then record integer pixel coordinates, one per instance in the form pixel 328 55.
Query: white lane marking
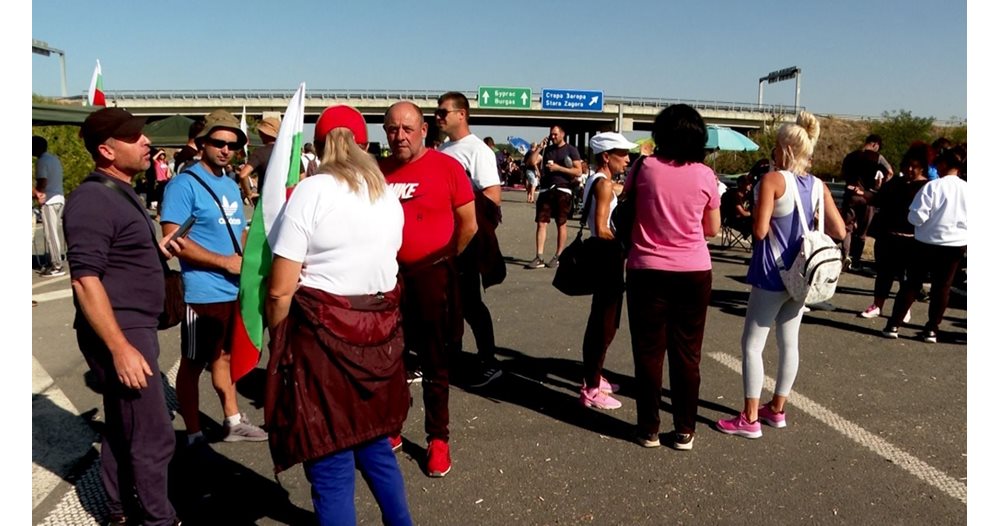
pixel 54 295
pixel 86 499
pixel 50 281
pixel 881 447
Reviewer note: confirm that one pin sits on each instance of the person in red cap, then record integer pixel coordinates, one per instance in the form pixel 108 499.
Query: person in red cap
pixel 440 213
pixel 118 289
pixel 336 383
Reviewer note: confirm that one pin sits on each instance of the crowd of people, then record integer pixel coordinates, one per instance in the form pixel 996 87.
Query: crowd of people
pixel 379 263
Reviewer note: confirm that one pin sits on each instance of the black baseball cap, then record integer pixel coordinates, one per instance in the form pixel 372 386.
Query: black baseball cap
pixel 109 123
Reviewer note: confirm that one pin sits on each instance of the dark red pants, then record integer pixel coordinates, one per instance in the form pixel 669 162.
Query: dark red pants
pixel 605 307
pixel 428 296
pixel 666 314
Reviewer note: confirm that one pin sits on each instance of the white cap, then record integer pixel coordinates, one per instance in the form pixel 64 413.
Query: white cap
pixel 606 141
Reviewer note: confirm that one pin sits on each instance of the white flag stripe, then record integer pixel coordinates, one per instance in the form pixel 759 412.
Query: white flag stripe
pixel 93 83
pixel 273 194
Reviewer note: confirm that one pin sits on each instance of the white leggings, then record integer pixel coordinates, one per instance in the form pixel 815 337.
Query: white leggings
pixel 765 308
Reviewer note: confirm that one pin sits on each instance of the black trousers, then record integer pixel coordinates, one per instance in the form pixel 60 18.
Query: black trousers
pixel 891 256
pixel 941 263
pixel 138 441
pixel 471 307
pixel 666 314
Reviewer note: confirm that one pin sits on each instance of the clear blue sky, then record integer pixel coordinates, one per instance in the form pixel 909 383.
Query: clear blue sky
pixel 857 57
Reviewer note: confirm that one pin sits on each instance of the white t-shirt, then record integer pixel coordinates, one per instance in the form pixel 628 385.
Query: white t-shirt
pixel 479 161
pixel 939 213
pixel 347 244
pixel 592 213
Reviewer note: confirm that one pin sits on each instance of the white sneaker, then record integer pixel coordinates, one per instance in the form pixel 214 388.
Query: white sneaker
pixel 873 311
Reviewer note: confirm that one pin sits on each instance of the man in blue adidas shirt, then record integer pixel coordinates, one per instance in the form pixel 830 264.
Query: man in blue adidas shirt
pixel 211 256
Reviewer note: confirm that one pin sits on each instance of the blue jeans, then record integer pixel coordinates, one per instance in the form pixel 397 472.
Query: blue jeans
pixel 332 479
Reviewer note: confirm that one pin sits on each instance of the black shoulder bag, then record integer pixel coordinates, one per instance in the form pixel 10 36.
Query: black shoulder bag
pixel 623 216
pixel 173 299
pixel 232 236
pixel 574 276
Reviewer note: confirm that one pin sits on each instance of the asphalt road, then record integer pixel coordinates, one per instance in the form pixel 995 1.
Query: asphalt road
pixel 877 428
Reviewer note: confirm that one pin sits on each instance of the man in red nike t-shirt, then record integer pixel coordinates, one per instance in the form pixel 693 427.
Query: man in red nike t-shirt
pixel 439 221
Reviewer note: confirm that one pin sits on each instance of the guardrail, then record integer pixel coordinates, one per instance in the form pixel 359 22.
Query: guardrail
pixel 430 95
pixel 373 94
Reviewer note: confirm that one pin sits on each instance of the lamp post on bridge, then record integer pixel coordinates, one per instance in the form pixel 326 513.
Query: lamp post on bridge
pixel 42 48
pixel 778 76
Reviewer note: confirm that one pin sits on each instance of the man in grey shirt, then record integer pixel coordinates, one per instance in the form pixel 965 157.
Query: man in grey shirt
pixel 49 193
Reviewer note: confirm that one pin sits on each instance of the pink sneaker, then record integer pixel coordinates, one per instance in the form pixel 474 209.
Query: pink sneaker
pixel 771 418
pixel 608 387
pixel 597 398
pixel 739 426
pixel 871 312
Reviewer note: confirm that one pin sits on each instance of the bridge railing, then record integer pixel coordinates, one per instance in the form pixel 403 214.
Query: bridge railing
pixel 369 94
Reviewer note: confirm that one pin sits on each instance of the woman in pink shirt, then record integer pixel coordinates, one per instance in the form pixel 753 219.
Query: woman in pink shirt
pixel 669 270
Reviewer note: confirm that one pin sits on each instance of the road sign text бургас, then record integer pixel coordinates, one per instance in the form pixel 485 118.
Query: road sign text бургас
pixel 507 98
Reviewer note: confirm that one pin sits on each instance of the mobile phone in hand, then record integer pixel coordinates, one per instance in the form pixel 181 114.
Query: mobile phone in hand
pixel 184 229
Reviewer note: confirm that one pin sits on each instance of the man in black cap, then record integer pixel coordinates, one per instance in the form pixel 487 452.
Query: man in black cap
pixel 118 291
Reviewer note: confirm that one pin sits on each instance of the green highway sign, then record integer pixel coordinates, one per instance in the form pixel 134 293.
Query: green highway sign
pixel 507 98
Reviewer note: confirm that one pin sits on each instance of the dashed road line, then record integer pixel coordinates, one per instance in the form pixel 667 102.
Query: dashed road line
pixel 915 466
pixel 86 500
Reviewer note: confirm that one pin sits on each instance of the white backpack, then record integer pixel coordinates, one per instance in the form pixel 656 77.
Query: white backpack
pixel 813 276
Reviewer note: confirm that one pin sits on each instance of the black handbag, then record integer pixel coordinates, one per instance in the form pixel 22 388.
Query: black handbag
pixel 623 216
pixel 574 275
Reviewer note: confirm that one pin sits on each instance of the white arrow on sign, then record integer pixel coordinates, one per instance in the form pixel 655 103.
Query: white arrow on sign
pixel 593 100
pixel 524 98
pixel 486 97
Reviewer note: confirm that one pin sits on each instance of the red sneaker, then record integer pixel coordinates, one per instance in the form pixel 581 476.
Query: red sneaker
pixel 438 458
pixel 396 442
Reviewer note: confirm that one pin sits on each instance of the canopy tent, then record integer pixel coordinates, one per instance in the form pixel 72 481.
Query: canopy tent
pixel 171 132
pixel 58 114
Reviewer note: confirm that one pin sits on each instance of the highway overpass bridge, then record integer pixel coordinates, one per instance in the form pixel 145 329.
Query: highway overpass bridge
pixel 618 113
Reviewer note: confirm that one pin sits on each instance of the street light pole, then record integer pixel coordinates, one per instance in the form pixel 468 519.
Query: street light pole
pixel 42 48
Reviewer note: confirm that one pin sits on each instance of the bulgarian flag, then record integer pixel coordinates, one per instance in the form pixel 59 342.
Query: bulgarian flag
pixel 95 96
pixel 282 175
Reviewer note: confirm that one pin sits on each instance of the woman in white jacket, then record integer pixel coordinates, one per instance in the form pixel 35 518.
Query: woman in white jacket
pixel 940 219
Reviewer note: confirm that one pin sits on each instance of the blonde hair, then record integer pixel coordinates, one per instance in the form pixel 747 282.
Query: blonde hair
pixel 342 158
pixel 797 141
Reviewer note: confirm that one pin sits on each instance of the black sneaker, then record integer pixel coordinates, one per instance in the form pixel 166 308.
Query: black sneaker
pixel 553 263
pixel 535 263
pixel 415 376
pixel 928 336
pixel 891 332
pixel 52 272
pixel 681 441
pixel 489 370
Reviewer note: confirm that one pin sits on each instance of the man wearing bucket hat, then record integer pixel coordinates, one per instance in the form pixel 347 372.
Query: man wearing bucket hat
pixel 267 130
pixel 211 256
pixel 118 291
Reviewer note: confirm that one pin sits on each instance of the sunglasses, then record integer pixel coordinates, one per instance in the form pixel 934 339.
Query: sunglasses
pixel 220 144
pixel 443 113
